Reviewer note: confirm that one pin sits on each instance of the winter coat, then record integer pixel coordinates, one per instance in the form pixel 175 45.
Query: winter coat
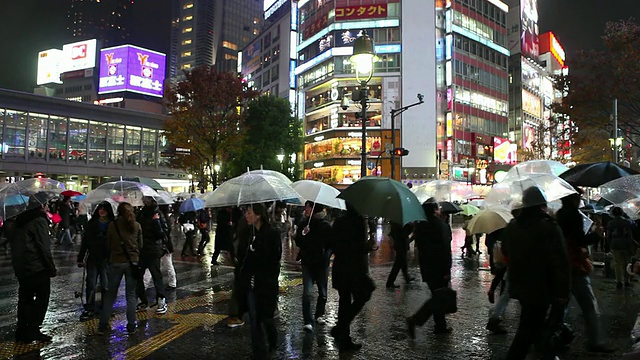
pixel 30 245
pixel 243 237
pixel 570 221
pixel 203 219
pixel 315 247
pixel 94 241
pixel 223 230
pixel 132 242
pixel 433 241
pixel 620 233
pixel 539 269
pixel 262 265
pixel 400 236
pixel 153 235
pixel 351 256
pixel 64 210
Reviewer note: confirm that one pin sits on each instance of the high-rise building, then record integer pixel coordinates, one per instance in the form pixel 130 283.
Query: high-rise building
pixel 105 20
pixel 211 32
pixel 473 88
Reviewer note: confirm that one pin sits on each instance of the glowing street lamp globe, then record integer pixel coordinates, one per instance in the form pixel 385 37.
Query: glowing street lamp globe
pixel 363 57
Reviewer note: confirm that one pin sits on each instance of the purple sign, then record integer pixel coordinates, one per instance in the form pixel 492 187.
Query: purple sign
pixel 132 68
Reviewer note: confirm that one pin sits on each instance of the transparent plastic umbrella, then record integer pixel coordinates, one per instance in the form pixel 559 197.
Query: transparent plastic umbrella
pixel 124 191
pixel 509 193
pixel 16 199
pixel 273 173
pixel 443 190
pixel 35 185
pixel 250 189
pixel 536 167
pixel 320 193
pixel 631 207
pixel 621 189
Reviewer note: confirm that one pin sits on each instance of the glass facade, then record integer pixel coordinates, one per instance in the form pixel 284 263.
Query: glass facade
pixel 50 138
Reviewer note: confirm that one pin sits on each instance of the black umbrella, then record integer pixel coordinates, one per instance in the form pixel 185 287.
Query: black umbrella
pixel 447 207
pixel 595 174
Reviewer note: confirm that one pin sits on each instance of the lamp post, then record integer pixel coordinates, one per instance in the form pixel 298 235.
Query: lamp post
pixel 216 170
pixel 280 157
pixel 362 60
pixel 615 140
pixel 394 113
pixel 191 188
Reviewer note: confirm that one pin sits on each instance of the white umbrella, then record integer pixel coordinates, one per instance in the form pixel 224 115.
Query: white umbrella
pixel 489 220
pixel 123 191
pixel 320 193
pixel 443 190
pixel 536 167
pixel 509 193
pixel 252 188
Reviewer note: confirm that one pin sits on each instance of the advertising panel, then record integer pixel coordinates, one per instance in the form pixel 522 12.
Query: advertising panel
pixel 251 57
pixel 528 136
pixel 49 67
pixel 358 12
pixel 503 151
pixel 529 35
pixel 132 68
pixel 315 27
pixel 531 104
pixel 79 55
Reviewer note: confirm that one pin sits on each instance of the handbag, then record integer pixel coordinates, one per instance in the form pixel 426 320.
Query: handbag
pixel 498 256
pixel 136 270
pixel 187 227
pixel 446 300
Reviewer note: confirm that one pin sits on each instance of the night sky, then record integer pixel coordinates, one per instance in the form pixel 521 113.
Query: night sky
pixel 30 26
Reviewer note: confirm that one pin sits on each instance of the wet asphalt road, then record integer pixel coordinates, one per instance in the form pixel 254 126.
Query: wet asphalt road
pixel 194 327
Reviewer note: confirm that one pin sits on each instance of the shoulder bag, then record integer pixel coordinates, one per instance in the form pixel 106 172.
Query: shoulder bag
pixel 136 270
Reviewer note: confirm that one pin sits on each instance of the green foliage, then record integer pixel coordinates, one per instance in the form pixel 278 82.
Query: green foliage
pixel 268 128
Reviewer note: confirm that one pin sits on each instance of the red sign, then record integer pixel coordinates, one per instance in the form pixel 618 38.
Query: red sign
pixel 316 26
pixel 361 12
pixel 79 52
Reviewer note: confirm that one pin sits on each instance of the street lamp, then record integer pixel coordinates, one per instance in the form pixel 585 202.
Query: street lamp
pixel 615 140
pixel 280 157
pixel 394 113
pixel 216 170
pixel 362 60
pixel 191 189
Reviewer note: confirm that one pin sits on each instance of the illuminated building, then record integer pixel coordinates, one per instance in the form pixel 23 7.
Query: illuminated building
pixel 107 21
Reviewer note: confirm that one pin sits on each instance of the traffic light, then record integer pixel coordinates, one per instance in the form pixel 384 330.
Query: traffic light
pixel 400 151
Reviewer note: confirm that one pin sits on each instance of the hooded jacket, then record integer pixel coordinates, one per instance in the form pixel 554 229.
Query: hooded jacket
pixel 315 246
pixel 152 234
pixel 30 245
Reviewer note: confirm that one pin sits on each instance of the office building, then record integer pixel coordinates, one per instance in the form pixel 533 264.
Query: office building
pixel 105 20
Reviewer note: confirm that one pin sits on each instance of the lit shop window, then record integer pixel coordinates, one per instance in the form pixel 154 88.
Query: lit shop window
pixel 186 54
pixel 187 18
pixel 185 66
pixel 186 42
pixel 230 57
pixel 187 30
pixel 229 45
pixel 188 6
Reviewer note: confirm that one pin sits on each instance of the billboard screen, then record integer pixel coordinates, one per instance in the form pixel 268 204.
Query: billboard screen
pixel 79 55
pixel 504 152
pixel 529 18
pixel 531 104
pixel 132 68
pixel 49 67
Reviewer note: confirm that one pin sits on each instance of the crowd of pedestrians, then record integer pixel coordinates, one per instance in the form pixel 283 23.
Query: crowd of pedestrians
pixel 538 259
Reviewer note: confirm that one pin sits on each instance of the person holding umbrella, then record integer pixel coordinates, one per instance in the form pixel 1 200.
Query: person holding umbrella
pixel 223 239
pixel 400 236
pixel 433 240
pixel 94 254
pixel 622 244
pixel 203 225
pixel 65 210
pixel 258 285
pixel 33 265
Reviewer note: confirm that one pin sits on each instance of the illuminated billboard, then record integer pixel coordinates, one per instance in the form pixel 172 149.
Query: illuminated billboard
pixel 49 67
pixel 529 35
pixel 531 104
pixel 550 44
pixel 79 55
pixel 132 68
pixel 504 152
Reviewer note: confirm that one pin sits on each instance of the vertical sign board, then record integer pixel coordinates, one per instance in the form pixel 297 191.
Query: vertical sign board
pixel 419 77
pixel 132 68
pixel 49 67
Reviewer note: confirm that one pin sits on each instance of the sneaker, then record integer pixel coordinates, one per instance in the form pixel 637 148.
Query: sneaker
pixel 320 320
pixel 162 306
pixel 494 326
pixel 142 306
pixel 234 322
pixel 308 327
pixel 170 288
pixel 87 315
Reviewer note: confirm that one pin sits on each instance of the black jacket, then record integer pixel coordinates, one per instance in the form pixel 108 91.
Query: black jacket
pixel 223 230
pixel 400 236
pixel 315 247
pixel 64 210
pixel 433 241
pixel 153 237
pixel 262 264
pixel 351 255
pixel 94 241
pixel 539 270
pixel 620 234
pixel 30 245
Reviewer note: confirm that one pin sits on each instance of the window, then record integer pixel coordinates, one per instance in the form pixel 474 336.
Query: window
pixel 133 145
pixel 78 140
pixel 186 42
pixel 15 137
pixel 37 135
pixel 186 54
pixel 230 57
pixel 185 66
pixel 115 143
pixel 229 45
pixel 57 137
pixel 188 6
pixel 148 147
pixel 187 18
pixel 187 30
pixel 97 142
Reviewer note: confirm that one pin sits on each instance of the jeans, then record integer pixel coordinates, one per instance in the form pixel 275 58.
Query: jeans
pixel 260 325
pixel 65 234
pixel 350 303
pixel 188 243
pixel 33 300
pixel 95 269
pixel 501 304
pixel 583 293
pixel 116 271
pixel 620 260
pixel 428 308
pixel 400 263
pixel 153 264
pixel 319 275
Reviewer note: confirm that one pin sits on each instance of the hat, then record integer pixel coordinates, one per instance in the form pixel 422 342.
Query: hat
pixel 533 196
